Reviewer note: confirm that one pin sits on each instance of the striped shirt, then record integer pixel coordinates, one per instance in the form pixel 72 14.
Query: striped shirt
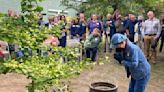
pixel 152 27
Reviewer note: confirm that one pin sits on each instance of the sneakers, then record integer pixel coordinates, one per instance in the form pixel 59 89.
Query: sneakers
pixel 154 62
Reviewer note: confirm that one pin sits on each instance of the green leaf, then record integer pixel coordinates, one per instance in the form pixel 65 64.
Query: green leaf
pixel 39 9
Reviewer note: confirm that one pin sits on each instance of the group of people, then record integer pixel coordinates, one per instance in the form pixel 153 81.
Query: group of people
pixel 137 30
pixel 52 21
pixel 127 36
pixel 130 55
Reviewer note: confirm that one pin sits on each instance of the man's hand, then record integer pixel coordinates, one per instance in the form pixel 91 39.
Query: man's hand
pixel 154 43
pixel 127 32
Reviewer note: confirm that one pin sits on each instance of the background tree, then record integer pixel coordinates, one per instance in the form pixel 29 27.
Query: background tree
pixel 108 6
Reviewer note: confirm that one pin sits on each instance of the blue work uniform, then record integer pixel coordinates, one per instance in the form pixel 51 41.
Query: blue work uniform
pixel 125 22
pixel 130 26
pixel 82 29
pixel 75 29
pixel 138 67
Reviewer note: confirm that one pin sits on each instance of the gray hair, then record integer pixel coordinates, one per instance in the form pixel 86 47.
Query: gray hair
pixel 140 17
pixel 108 15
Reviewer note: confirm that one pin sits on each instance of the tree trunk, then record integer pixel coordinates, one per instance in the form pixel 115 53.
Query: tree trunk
pixel 115 7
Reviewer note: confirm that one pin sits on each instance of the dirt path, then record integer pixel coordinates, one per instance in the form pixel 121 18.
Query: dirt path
pixel 110 71
pixel 115 73
pixel 13 82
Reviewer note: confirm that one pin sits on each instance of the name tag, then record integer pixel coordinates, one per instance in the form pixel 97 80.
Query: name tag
pixel 63 34
pixel 128 54
pixel 77 25
pixel 83 24
pixel 96 39
pixel 97 24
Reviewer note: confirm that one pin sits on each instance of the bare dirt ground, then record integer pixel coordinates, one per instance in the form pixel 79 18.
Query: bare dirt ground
pixel 13 82
pixel 110 71
pixel 115 73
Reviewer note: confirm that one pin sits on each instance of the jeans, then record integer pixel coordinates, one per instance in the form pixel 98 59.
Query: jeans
pixel 91 53
pixel 138 85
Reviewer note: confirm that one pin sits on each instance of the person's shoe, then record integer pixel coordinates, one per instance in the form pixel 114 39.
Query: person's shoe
pixel 154 62
pixel 71 37
pixel 110 50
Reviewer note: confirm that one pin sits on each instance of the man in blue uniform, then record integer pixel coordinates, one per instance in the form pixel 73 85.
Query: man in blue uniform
pixel 129 26
pixel 75 28
pixel 135 63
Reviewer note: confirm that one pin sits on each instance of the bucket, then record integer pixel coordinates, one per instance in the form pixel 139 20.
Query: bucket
pixel 103 87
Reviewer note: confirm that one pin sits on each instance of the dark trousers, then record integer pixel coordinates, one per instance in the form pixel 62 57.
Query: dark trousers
pixel 62 41
pixel 131 37
pixel 106 42
pixel 73 33
pixel 91 53
pixel 138 85
pixel 161 45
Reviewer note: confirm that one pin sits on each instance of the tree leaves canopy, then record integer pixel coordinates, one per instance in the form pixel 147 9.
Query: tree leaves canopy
pixel 109 6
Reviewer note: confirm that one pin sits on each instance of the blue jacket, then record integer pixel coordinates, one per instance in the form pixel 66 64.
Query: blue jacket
pixel 75 29
pixel 83 28
pixel 125 22
pixel 136 61
pixel 130 26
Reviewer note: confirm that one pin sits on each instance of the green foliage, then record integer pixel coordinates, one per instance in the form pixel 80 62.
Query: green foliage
pixel 108 6
pixel 74 4
pixel 30 6
pixel 2 15
pixel 44 71
pixel 3 69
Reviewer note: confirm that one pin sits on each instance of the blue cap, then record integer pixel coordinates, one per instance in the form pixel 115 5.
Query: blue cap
pixel 116 39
